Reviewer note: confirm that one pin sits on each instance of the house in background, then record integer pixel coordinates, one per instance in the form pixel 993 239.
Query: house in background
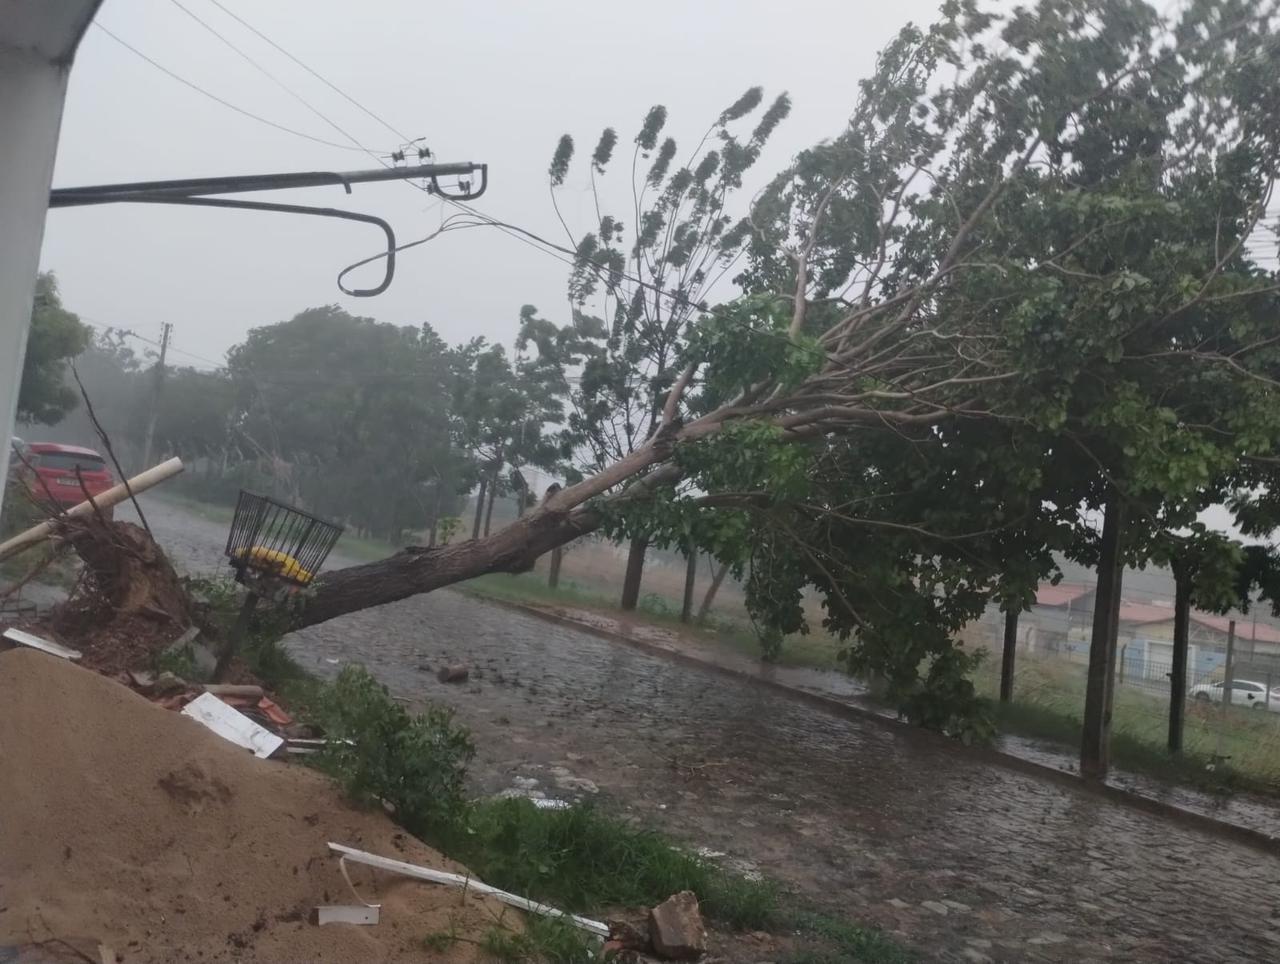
pixel 1058 611
pixel 1146 640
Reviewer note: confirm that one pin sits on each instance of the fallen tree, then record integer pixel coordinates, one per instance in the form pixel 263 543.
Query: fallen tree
pixel 984 270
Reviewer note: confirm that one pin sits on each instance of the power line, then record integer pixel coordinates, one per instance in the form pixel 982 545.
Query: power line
pixel 525 236
pixel 130 333
pixel 225 103
pixel 275 80
pixel 404 138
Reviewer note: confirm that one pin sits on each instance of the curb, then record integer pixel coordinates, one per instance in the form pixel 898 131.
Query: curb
pixel 1257 839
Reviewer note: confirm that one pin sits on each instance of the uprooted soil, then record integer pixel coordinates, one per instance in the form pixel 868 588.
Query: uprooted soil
pixel 128 825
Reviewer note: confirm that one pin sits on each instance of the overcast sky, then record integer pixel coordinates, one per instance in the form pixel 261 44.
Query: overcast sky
pixel 496 82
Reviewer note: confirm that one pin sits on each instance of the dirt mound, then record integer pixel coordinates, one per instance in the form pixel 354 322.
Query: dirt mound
pixel 130 825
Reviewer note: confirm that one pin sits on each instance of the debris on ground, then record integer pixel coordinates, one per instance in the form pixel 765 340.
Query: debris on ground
pixel 455 673
pixel 391 865
pixel 232 725
pixel 139 829
pixel 676 928
pixel 16 637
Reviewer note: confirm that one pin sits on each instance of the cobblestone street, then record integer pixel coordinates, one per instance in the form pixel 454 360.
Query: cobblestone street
pixel 963 861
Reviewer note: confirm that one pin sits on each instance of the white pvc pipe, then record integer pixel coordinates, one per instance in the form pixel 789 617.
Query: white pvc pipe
pixel 113 496
pixel 596 927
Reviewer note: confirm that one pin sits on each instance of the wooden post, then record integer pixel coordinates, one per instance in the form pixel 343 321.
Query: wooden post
pixel 113 496
pixel 1095 744
pixel 1181 647
pixel 690 576
pixel 1008 655
pixel 553 574
pixel 235 639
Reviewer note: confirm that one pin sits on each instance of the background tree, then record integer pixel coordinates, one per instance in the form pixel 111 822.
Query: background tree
pixel 1013 295
pixel 352 416
pixel 507 413
pixel 56 336
pixel 635 291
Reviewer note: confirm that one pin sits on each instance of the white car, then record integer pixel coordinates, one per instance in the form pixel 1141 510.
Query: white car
pixel 1244 692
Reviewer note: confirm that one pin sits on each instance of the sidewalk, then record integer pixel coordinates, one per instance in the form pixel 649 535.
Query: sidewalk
pixel 1245 817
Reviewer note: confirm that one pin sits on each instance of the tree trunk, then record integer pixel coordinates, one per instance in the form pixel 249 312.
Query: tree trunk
pixel 690 577
pixel 709 599
pixel 553 574
pixel 493 495
pixel 435 515
pixel 418 569
pixel 1095 745
pixel 559 520
pixel 1181 645
pixel 635 571
pixel 484 487
pixel 1008 655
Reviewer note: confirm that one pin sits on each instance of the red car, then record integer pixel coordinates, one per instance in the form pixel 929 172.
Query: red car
pixel 56 467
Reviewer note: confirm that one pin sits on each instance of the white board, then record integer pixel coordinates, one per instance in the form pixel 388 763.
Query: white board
pixel 347 914
pixel 44 645
pixel 230 724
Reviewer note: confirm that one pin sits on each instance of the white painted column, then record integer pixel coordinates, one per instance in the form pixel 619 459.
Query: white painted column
pixel 32 89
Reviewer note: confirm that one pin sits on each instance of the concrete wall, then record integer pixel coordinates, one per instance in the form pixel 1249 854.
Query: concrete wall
pixel 37 42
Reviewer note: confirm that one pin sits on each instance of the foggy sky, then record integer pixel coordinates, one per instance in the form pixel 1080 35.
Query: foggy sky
pixel 496 82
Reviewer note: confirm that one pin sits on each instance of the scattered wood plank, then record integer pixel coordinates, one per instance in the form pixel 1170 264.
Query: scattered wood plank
pixel 230 724
pixel 16 637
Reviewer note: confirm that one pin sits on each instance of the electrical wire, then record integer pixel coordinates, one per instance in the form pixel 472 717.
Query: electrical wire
pixel 276 80
pixel 404 138
pixel 225 103
pixel 130 333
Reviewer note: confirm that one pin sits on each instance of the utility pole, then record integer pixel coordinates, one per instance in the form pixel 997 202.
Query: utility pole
pixel 165 331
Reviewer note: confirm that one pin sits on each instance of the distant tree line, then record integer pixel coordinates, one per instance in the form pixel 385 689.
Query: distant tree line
pixel 386 428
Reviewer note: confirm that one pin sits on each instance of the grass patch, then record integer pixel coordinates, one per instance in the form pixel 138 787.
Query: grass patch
pixel 1048 704
pixel 581 859
pixel 815 651
pixel 839 942
pixel 585 860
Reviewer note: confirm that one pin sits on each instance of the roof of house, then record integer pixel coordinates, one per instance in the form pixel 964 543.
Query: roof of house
pixel 1244 628
pixel 1141 614
pixel 1061 594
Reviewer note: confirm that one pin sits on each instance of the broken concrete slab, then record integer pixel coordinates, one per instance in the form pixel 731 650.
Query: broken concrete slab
pixel 676 928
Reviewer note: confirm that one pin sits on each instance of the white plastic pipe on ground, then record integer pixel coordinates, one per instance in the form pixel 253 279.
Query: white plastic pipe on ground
pixel 113 496
pixel 596 927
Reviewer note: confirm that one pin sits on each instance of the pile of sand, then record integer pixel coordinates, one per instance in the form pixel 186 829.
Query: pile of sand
pixel 130 825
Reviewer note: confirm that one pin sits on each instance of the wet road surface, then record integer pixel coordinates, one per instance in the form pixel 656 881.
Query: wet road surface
pixel 963 861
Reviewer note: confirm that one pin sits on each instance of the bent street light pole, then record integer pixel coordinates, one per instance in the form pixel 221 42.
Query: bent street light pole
pixel 244 183
pixel 197 192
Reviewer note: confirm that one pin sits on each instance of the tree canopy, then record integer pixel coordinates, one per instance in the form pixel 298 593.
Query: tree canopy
pixel 1014 288
pixel 56 336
